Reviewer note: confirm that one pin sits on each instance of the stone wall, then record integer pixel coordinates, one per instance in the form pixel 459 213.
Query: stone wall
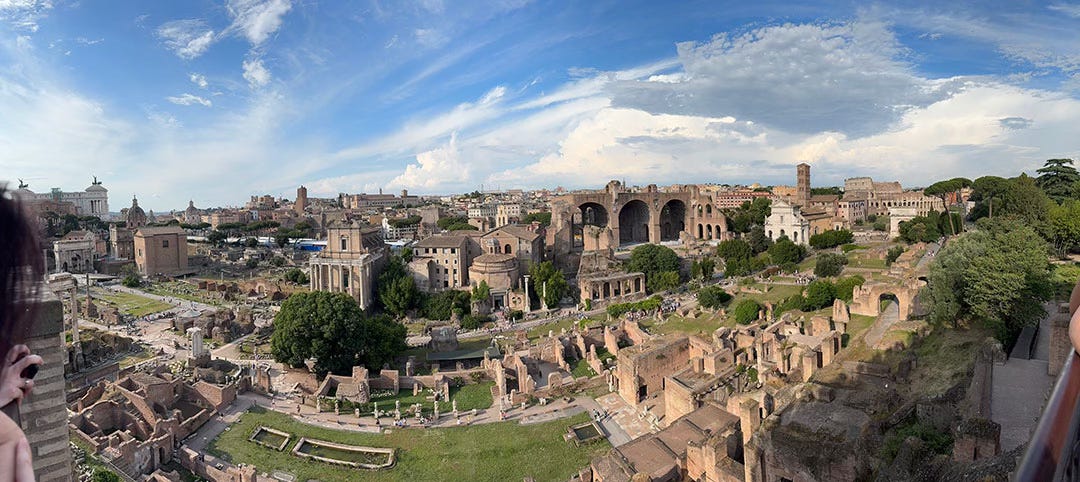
pixel 44 413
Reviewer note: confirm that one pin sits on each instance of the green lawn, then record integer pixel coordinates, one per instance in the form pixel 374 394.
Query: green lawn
pixel 181 290
pixel 132 304
pixel 578 368
pixel 496 451
pixel 477 395
pixel 855 261
pixel 702 325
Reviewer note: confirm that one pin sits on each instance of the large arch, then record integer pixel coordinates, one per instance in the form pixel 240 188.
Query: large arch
pixel 634 222
pixel 593 214
pixel 672 220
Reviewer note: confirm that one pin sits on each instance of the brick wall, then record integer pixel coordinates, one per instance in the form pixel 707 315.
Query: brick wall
pixel 44 413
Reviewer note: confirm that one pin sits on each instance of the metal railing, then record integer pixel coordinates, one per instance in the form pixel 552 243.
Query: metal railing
pixel 1054 450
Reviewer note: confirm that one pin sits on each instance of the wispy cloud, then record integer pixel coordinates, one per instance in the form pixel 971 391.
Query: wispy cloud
pixel 189 99
pixel 187 38
pixel 1070 9
pixel 86 41
pixel 24 14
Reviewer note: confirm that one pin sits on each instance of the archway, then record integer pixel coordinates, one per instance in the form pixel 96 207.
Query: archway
pixel 634 222
pixel 506 249
pixel 593 214
pixel 673 220
pixel 700 231
pixel 888 302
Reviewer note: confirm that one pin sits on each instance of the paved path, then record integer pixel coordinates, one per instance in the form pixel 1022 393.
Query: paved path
pixel 1020 388
pixel 888 317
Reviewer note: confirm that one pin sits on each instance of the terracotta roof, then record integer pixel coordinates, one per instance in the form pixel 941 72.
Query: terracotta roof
pixel 154 230
pixel 442 242
pixel 516 231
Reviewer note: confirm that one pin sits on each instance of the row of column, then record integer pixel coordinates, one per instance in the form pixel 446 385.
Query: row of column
pixel 328 277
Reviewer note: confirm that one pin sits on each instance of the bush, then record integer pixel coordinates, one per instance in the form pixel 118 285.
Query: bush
pixel 829 264
pixel 516 315
pixel 831 239
pixel 472 322
pixel 251 242
pixel 789 268
pixel 746 311
pixel 791 303
pixel 442 306
pixel 894 252
pixel 252 263
pixel 277 261
pixel 881 224
pixel 712 297
pixel 647 304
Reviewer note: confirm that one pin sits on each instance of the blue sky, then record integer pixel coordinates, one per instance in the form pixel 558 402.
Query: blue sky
pixel 216 101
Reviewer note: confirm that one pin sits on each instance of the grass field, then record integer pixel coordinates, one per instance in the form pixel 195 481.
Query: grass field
pixel 477 395
pixel 858 261
pixel 496 451
pixel 132 304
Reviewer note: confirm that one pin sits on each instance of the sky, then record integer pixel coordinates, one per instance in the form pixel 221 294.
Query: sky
pixel 216 101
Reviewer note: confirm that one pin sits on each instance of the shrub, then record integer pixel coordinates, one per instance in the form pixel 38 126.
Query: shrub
pixel 252 263
pixel 296 275
pixel 829 264
pixel 251 242
pixel 662 281
pixel 277 261
pixel 789 268
pixel 516 315
pixel 785 251
pixel 131 281
pixel 881 224
pixel 712 297
pixel 746 311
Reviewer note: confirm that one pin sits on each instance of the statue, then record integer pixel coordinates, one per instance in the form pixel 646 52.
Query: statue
pixel 23 185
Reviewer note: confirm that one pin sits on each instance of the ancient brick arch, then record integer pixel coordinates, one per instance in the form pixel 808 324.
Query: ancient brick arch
pixel 667 215
pixel 866 299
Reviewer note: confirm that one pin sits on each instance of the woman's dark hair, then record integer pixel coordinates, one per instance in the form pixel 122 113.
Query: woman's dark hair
pixel 21 268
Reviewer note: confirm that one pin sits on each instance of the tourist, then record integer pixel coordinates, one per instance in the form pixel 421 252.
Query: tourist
pixel 21 266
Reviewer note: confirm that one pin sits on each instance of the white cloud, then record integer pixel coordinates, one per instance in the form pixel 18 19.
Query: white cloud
pixel 86 41
pixel 433 168
pixel 189 99
pixel 188 38
pixel 198 79
pixel 24 14
pixel 257 20
pixel 255 73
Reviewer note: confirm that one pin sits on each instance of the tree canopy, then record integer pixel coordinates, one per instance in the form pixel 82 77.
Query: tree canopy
pixel 556 287
pixel 1057 178
pixel 999 274
pixel 785 251
pixel 653 259
pixel 829 264
pixel 397 290
pixel 831 238
pixel 332 329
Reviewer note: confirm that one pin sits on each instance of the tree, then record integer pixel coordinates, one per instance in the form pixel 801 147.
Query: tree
pixel 544 218
pixel 746 311
pixel 252 263
pixel 893 253
pixel 702 270
pixel 845 287
pixel 712 297
pixel 132 280
pixel 547 279
pixel 472 322
pixel 819 294
pixel 758 241
pixel 829 264
pixel 251 242
pixel 216 237
pixel 481 292
pixel 277 261
pixel 399 295
pixel 999 274
pixel 831 238
pixel 296 275
pixel 943 189
pixel 446 222
pixel 656 262
pixel 443 305
pixel 734 249
pixel 331 328
pixel 662 281
pixel 407 254
pixel 1056 179
pixel 102 475
pixel 461 227
pixel 785 251
pixel 1064 226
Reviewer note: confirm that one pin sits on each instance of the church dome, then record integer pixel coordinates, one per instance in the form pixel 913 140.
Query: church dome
pixel 136 217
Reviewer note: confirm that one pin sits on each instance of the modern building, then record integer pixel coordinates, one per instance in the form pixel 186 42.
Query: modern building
pixel 355 254
pixel 161 251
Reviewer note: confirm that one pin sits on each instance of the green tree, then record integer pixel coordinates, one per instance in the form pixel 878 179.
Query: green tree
pixel 102 475
pixel 407 254
pixel 132 280
pixel 399 295
pixel 893 253
pixel 446 222
pixel 831 238
pixel 547 279
pixel 746 311
pixel 654 260
pixel 943 189
pixel 1064 226
pixel 845 287
pixel 999 274
pixel 819 294
pixel 443 305
pixel 712 297
pixel 251 242
pixel 544 218
pixel 481 292
pixel 1056 179
pixel 331 328
pixel 758 241
pixel 829 264
pixel 734 249
pixel 785 251
pixel 661 281
pixel 296 275
pixel 216 237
